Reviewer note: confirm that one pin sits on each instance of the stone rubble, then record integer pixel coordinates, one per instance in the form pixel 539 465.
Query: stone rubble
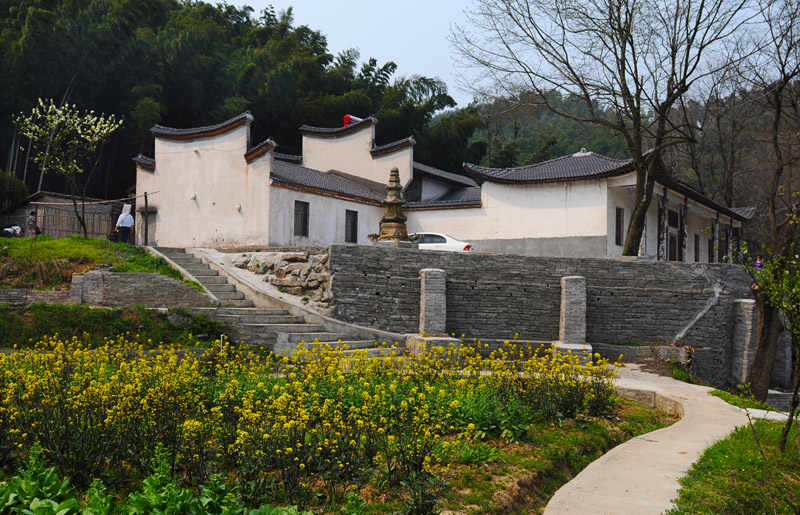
pixel 303 274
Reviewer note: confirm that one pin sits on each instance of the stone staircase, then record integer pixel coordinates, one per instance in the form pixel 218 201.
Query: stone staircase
pixel 257 326
pixel 215 283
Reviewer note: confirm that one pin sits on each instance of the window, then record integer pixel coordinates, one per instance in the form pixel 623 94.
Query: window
pixel 431 238
pixel 672 219
pixel 350 226
pixel 710 250
pixel 696 248
pixel 618 237
pixel 300 218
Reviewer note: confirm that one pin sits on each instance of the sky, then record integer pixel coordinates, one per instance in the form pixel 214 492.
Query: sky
pixel 412 33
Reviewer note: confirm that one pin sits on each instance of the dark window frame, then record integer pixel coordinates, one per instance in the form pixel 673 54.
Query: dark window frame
pixel 350 226
pixel 301 217
pixel 696 248
pixel 620 226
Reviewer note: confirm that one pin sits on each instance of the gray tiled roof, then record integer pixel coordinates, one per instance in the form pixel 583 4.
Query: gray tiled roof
pixel 259 149
pixel 143 160
pixel 393 146
pixel 462 180
pixel 462 197
pixel 333 132
pixel 745 212
pixel 289 158
pixel 580 165
pixel 169 132
pixel 301 176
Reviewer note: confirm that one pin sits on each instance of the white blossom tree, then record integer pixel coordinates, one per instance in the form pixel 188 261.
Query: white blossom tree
pixel 68 141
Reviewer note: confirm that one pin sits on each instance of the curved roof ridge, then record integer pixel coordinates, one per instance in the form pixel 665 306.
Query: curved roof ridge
pixel 394 146
pixel 147 162
pixel 582 165
pixel 335 132
pixel 260 149
pixel 202 132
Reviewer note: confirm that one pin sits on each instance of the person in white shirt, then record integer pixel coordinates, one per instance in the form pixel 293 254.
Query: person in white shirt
pixel 125 223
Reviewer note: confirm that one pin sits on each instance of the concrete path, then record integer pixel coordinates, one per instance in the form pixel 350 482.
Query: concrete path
pixel 640 476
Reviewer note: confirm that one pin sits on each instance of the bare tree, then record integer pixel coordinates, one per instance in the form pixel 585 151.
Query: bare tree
pixel 774 76
pixel 636 57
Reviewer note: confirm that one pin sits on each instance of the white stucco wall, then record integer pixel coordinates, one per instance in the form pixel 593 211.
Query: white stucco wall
pixel 215 171
pixel 552 210
pixel 432 189
pixel 351 154
pixel 326 218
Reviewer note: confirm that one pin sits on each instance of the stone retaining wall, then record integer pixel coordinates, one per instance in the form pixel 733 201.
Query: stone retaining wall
pixel 128 289
pixel 26 297
pixel 496 296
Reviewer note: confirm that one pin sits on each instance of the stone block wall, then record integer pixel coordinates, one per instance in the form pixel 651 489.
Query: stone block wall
pixel 127 289
pixel 26 297
pixel 496 296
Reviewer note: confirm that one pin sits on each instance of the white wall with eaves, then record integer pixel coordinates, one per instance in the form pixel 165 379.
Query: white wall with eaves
pixel 207 193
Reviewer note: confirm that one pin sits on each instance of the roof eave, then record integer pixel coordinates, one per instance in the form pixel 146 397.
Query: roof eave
pixel 160 131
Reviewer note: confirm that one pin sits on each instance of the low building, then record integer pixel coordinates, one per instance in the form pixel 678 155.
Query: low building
pixel 212 187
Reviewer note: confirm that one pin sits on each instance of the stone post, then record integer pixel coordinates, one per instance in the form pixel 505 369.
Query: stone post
pixel 432 302
pixel 744 339
pixel 572 323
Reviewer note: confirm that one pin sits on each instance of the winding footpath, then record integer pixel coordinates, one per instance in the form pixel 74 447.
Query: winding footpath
pixel 641 476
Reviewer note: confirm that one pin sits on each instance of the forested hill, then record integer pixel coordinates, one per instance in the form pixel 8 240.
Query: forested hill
pixel 187 64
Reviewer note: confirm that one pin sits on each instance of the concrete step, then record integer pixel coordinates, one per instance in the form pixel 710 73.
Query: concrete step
pixel 252 312
pixel 313 336
pixel 191 267
pixel 351 344
pixel 217 279
pixel 220 287
pixel 171 250
pixel 203 273
pixel 262 319
pixel 241 303
pixel 229 295
pixel 186 261
pixel 292 329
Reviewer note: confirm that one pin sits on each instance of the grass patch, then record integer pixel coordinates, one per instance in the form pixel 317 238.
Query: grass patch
pixel 24 326
pixel 499 476
pixel 45 263
pixel 733 478
pixel 739 401
pixel 680 373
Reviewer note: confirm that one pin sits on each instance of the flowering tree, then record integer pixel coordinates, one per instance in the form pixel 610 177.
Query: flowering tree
pixel 68 141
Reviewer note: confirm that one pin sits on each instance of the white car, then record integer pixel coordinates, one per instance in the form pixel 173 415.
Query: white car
pixel 439 241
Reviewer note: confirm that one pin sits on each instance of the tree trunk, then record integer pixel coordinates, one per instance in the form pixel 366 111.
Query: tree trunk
pixel 795 398
pixel 769 327
pixel 645 181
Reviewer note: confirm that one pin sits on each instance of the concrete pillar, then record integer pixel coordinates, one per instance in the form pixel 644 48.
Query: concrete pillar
pixel 572 323
pixel 432 302
pixel 745 335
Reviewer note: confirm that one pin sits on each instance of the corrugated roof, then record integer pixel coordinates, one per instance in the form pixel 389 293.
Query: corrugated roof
pixel 301 176
pixel 745 212
pixel 289 158
pixel 260 149
pixel 581 165
pixel 455 178
pixel 393 146
pixel 147 162
pixel 462 197
pixel 335 132
pixel 202 132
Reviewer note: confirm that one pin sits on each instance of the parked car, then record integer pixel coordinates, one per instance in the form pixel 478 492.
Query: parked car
pixel 439 241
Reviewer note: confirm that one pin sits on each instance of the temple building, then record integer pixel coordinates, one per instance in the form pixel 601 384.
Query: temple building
pixel 212 187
